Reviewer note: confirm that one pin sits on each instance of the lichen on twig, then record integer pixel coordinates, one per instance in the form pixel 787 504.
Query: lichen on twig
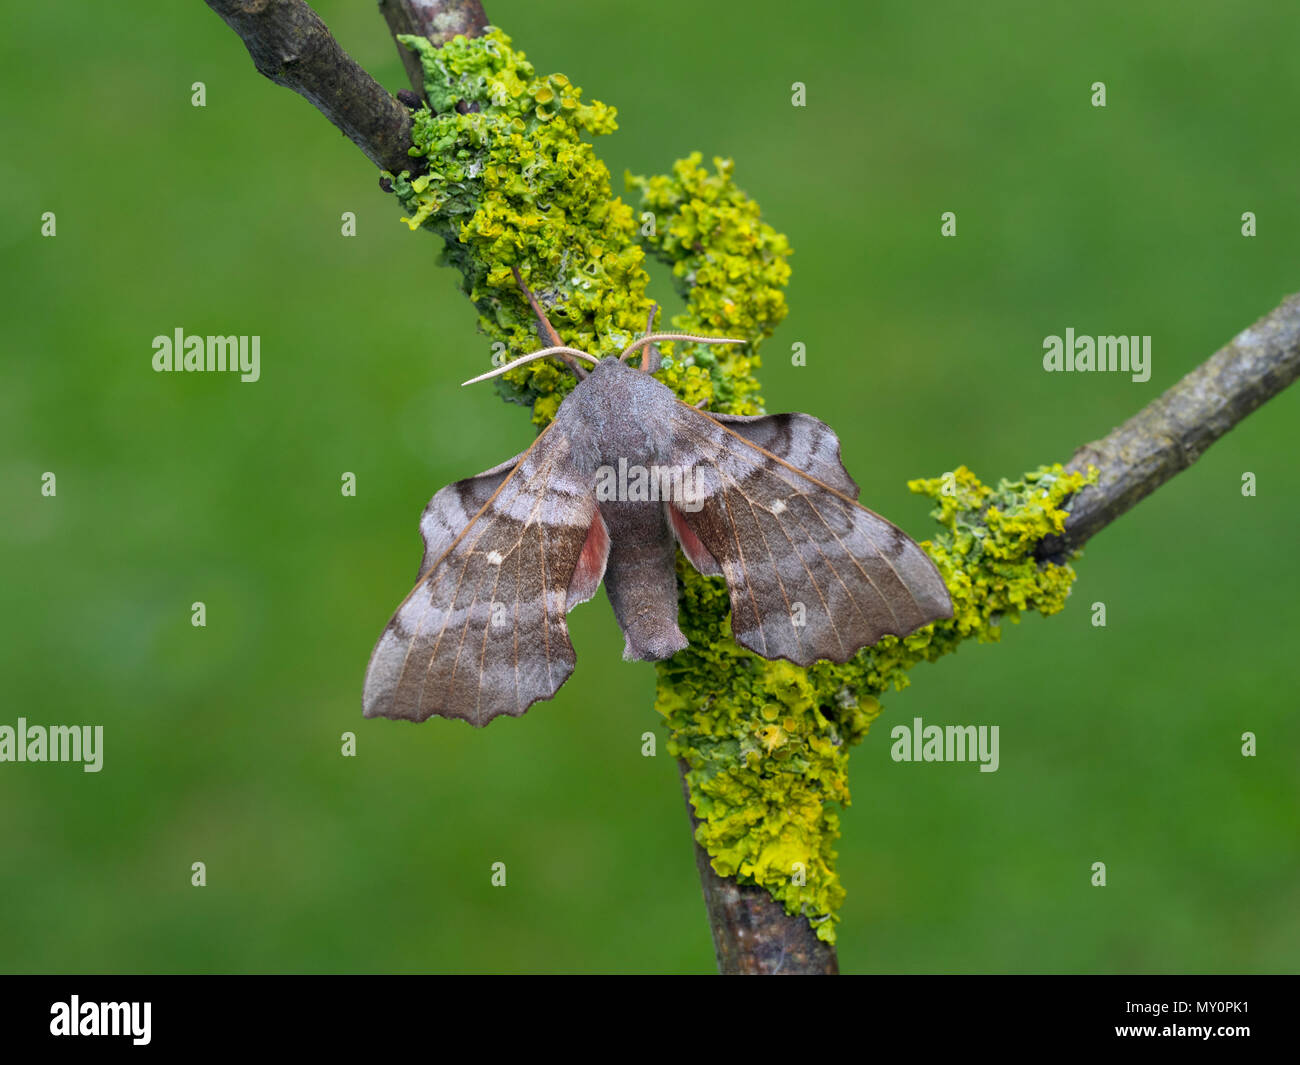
pixel 511 183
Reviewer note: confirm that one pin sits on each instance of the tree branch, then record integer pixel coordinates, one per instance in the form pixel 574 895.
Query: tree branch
pixel 1173 431
pixel 752 933
pixel 439 20
pixel 292 46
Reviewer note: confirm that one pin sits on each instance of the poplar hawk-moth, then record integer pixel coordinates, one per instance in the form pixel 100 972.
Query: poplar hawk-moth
pixel 764 502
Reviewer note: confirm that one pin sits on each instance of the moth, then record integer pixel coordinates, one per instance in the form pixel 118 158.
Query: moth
pixel 764 502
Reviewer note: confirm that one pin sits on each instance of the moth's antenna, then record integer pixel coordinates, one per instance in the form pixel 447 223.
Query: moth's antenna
pixel 649 324
pixel 568 354
pixel 658 338
pixel 650 358
pixel 558 347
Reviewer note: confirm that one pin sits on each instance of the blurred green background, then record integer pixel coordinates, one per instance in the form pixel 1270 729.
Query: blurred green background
pixel 222 743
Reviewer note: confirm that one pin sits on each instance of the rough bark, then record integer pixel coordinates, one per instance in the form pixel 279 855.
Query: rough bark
pixel 439 20
pixel 752 933
pixel 292 46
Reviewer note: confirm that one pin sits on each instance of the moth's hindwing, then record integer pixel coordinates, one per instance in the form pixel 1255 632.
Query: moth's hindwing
pixel 812 574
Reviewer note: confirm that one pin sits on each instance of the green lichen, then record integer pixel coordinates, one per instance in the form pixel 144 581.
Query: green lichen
pixel 731 267
pixel 767 744
pixel 508 181
pixel 504 176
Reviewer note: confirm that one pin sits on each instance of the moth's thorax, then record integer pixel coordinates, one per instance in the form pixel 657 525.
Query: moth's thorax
pixel 616 412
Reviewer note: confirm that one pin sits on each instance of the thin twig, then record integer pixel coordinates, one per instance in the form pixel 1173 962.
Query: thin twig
pixel 439 20
pixel 1170 433
pixel 752 933
pixel 292 46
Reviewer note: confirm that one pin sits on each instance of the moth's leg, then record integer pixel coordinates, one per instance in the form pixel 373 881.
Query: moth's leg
pixel 650 358
pixel 641 579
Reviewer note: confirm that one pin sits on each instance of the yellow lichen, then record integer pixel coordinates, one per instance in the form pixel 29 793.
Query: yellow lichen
pixel 508 182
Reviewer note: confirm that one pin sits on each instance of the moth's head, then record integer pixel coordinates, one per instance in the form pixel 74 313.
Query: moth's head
pixel 650 360
pixel 607 364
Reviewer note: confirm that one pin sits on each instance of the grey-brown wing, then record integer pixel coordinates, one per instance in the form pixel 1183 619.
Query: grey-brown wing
pixel 483 632
pixel 812 573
